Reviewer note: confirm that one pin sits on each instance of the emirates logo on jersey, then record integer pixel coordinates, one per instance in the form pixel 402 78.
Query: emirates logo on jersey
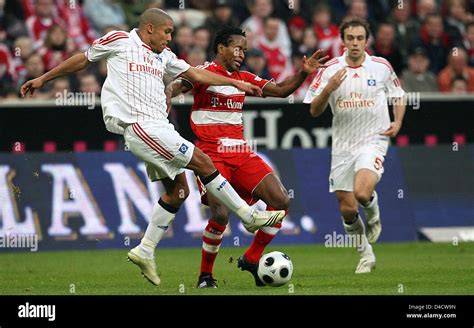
pixel 142 68
pixel 355 101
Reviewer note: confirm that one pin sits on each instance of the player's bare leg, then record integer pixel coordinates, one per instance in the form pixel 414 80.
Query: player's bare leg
pixel 211 241
pixel 354 226
pixel 364 190
pixel 274 194
pixel 164 212
pixel 219 187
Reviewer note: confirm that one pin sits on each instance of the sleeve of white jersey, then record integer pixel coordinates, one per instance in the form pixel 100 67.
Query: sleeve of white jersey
pixel 175 66
pixel 317 86
pixel 393 86
pixel 105 46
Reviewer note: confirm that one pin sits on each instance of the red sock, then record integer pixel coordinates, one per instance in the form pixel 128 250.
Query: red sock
pixel 211 241
pixel 263 237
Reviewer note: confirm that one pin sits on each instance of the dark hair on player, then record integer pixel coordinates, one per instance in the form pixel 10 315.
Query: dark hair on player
pixel 354 23
pixel 224 36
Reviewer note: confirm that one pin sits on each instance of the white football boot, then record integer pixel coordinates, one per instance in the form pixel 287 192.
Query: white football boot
pixel 264 219
pixel 366 263
pixel 372 214
pixel 147 265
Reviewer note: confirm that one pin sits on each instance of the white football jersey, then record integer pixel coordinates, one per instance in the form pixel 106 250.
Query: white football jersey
pixel 133 90
pixel 359 105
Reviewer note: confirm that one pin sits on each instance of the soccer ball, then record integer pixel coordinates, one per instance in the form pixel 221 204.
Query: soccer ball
pixel 275 269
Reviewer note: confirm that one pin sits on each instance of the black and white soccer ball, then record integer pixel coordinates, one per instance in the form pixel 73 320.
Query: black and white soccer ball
pixel 275 269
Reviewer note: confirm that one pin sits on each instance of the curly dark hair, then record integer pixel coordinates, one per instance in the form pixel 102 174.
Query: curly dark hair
pixel 224 36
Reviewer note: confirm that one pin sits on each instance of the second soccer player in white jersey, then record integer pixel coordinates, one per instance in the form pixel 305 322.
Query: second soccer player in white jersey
pixel 134 105
pixel 357 86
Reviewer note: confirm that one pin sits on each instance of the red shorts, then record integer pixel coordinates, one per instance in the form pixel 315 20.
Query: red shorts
pixel 244 171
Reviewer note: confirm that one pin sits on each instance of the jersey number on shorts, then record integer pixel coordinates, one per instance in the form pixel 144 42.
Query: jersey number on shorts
pixel 378 163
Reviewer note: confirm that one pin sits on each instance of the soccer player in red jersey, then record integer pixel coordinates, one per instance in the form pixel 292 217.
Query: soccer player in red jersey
pixel 216 119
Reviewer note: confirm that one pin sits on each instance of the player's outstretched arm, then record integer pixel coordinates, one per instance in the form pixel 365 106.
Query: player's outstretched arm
pixel 319 103
pixel 205 77
pixel 71 65
pixel 287 87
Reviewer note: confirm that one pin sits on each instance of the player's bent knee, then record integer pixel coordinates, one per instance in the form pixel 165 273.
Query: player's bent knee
pixel 201 163
pixel 348 211
pixel 362 197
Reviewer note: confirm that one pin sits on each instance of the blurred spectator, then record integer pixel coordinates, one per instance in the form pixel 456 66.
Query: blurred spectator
pixel 261 9
pixel 221 16
pixel 11 26
pixel 287 9
pixel 456 20
pixel 406 27
pixel 380 9
pixel 358 9
pixel 327 33
pixel 202 40
pixel 88 83
pixel 35 68
pixel 7 66
pixel 469 43
pixel 102 13
pixel 384 46
pixel 278 57
pixel 425 8
pixel 57 47
pixel 457 67
pixel 190 17
pixel 196 56
pixel 59 87
pixel 22 49
pixel 459 85
pixel 182 42
pixel 310 42
pixel 77 24
pixel 39 23
pixel 436 42
pixel 256 63
pixel 296 27
pixel 417 78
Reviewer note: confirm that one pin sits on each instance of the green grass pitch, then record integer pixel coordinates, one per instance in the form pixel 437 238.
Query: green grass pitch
pixel 402 269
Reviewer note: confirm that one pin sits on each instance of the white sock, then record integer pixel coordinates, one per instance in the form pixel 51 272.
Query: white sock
pixel 160 220
pixel 220 188
pixel 357 228
pixel 371 203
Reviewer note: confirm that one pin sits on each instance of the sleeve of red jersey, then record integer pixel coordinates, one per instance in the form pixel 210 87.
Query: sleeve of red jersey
pixel 254 79
pixel 105 46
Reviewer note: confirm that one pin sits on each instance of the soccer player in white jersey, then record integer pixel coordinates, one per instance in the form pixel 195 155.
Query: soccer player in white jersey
pixel 357 86
pixel 134 104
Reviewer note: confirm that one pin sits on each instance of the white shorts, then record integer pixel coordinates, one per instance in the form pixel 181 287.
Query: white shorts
pixel 163 150
pixel 344 167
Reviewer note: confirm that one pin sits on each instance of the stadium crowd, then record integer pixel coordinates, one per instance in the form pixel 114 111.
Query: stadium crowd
pixel 430 43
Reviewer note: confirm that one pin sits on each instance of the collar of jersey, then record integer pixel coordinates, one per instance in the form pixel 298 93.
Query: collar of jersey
pixel 134 36
pixel 364 63
pixel 221 68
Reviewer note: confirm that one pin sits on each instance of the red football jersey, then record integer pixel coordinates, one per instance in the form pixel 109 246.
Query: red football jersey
pixel 216 114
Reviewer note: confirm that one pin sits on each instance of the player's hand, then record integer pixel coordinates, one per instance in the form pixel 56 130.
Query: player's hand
pixel 30 86
pixel 336 80
pixel 392 131
pixel 249 88
pixel 314 62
